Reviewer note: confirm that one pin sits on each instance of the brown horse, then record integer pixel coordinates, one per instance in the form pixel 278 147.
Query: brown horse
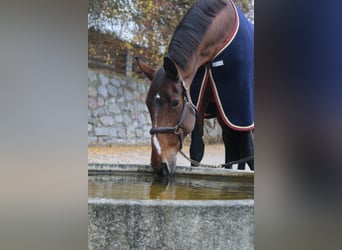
pixel 200 36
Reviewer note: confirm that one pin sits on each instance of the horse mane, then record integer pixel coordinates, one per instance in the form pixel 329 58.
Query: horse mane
pixel 191 30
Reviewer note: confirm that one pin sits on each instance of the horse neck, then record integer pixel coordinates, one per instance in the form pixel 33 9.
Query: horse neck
pixel 215 37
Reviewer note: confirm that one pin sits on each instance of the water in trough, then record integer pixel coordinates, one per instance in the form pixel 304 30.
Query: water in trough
pixel 145 186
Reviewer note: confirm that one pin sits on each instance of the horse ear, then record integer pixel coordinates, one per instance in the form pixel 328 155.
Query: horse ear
pixel 146 69
pixel 170 68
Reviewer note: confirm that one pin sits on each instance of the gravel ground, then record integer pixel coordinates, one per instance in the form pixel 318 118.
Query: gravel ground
pixel 214 154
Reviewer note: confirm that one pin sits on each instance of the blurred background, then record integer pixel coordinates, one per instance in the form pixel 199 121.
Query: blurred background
pixel 43 148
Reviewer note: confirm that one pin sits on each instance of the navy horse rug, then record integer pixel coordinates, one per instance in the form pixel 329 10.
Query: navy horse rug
pixel 231 78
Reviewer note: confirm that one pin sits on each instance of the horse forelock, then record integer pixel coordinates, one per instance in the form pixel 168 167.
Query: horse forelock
pixel 160 84
pixel 191 30
pixel 156 85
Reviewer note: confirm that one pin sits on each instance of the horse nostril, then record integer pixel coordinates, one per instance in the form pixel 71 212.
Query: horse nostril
pixel 164 170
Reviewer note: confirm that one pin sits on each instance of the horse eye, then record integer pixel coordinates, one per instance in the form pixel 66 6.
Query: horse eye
pixel 175 103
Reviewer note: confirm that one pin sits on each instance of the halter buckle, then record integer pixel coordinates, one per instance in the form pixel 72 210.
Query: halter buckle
pixel 177 130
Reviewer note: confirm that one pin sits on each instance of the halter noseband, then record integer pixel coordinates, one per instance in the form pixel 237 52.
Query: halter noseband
pixel 177 130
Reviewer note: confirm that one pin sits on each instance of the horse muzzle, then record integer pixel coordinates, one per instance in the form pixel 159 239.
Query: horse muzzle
pixel 164 169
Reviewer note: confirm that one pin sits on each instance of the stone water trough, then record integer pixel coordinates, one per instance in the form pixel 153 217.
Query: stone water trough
pixel 199 208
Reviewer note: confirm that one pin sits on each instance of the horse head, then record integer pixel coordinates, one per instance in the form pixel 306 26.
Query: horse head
pixel 172 114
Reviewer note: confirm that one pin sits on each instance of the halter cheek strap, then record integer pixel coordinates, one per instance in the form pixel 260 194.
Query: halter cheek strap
pixel 188 98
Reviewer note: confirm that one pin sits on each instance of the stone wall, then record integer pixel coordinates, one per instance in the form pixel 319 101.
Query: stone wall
pixel 117 113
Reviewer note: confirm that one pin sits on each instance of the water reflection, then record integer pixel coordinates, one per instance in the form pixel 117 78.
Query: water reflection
pixel 146 186
pixel 163 188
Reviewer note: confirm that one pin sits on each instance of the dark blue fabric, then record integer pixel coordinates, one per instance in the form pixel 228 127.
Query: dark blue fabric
pixel 234 80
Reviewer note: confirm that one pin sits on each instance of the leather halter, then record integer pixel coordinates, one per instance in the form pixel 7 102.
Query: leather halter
pixel 177 129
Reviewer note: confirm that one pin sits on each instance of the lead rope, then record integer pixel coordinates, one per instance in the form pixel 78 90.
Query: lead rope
pixel 228 164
